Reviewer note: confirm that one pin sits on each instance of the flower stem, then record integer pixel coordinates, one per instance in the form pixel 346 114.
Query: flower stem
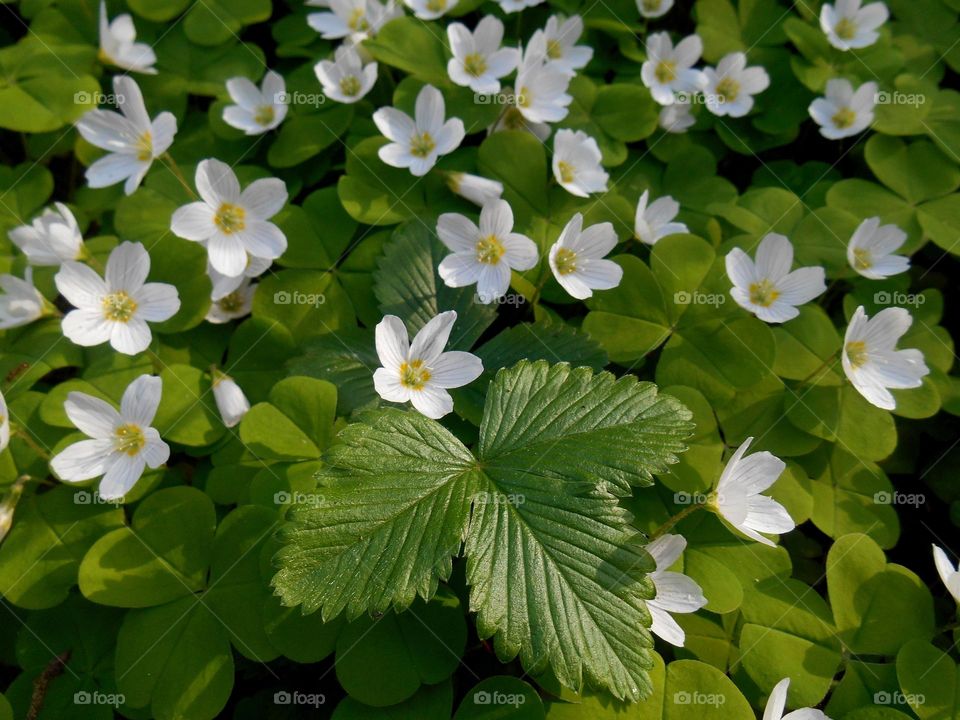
pixel 171 165
pixel 675 519
pixel 24 435
pixel 823 366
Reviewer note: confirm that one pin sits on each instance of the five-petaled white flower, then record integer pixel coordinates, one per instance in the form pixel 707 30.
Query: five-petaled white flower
pixel 355 19
pixel 132 140
pixel 767 287
pixel 676 118
pixel 484 255
pixel 561 42
pixel 232 223
pixel 669 70
pixel 233 305
pixel 870 358
pixel 576 163
pixel 945 568
pixel 121 443
pixel 118 309
pixel 676 593
pixel 654 8
pixel 541 87
pixel 51 238
pixel 871 250
pixel 21 303
pixel 512 6
pixel 118 45
pixel 729 89
pixel 231 401
pixel 656 220
pixel 849 26
pixel 4 423
pixel 476 189
pixel 478 61
pixel 843 112
pixel 778 701
pixel 257 110
pixel 738 498
pixel 420 372
pixel 346 79
pixel 418 142
pixel 430 9
pixel 577 258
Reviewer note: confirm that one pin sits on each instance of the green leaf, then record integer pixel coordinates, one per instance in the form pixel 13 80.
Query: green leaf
pixel 498 697
pixel 272 435
pixel 348 360
pixel 430 702
pixel 413 46
pixel 305 302
pixel 215 21
pixel 518 160
pixel 187 413
pixel 930 680
pixel 305 136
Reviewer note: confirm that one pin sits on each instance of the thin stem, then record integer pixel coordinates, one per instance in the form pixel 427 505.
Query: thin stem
pixel 34 445
pixel 53 670
pixel 675 519
pixel 171 164
pixel 826 363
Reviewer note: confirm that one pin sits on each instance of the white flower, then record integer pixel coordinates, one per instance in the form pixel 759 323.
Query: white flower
pixel 346 79
pixel 843 112
pixel 738 497
pixel 561 39
pixel 576 163
pixel 478 61
pixel 946 569
pixel 233 305
pixel 849 26
pixel 21 302
pixel 476 189
pixel 656 221
pixel 541 86
pixel 51 238
pixel 223 285
pixel 257 110
pixel 421 372
pixel 576 258
pixel 676 118
pixel 119 309
pixel 418 143
pixel 778 701
pixel 729 89
pixel 871 248
pixel 512 6
pixel 356 19
pixel 484 255
pixel 870 358
pixel 767 288
pixel 430 9
pixel 118 44
pixel 654 8
pixel 676 593
pixel 122 443
pixel 4 424
pixel 232 223
pixel 132 140
pixel 231 402
pixel 668 70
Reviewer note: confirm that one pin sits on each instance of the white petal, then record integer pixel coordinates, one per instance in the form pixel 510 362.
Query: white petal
pixel 193 221
pixel 157 302
pixel 774 257
pixel 127 267
pixel 92 416
pixel 387 384
pixel 392 342
pixel 432 402
pixel 457 232
pixel 432 338
pixel 455 369
pixel 777 701
pixel 264 198
pixel 459 270
pixel 664 626
pixel 82 461
pixel 80 285
pixel 130 337
pixel 86 327
pixel 121 476
pixel 217 183
pixel 141 399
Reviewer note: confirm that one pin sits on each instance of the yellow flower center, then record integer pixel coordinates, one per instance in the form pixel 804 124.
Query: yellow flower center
pixel 350 85
pixel 844 118
pixel 422 145
pixel 265 115
pixel 357 20
pixel 230 218
pixel 651 5
pixel 862 259
pixel 846 29
pixel 566 171
pixel 728 89
pixel 145 147
pixel 129 439
pixel 475 64
pixel 436 5
pixel 414 375
pixel 856 351
pixel 666 71
pixel 231 303
pixel 554 50
pixel 490 250
pixel 763 293
pixel 566 261
pixel 119 307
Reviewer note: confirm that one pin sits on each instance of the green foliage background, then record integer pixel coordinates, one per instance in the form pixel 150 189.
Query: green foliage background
pixel 170 599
